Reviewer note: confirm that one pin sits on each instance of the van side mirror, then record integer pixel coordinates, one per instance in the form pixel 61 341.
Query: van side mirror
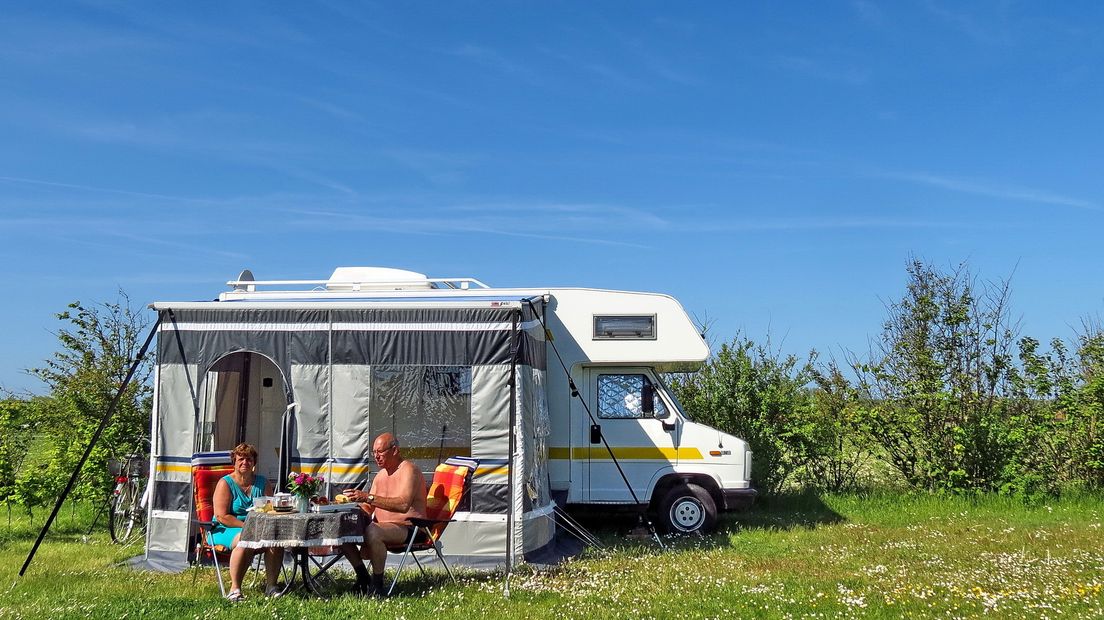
pixel 647 400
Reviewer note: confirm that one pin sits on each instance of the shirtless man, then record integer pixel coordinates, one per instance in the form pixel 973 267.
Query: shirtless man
pixel 398 493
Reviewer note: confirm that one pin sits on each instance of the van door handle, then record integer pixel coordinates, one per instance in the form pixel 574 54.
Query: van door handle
pixel 595 433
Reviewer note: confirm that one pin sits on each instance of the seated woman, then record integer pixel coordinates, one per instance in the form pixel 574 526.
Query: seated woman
pixel 234 495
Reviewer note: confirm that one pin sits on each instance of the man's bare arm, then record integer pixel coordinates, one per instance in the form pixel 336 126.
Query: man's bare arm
pixel 404 479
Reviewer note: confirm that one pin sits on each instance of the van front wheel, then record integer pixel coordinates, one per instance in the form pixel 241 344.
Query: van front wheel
pixel 688 508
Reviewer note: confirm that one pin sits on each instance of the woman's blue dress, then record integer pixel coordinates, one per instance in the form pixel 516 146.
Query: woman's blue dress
pixel 240 503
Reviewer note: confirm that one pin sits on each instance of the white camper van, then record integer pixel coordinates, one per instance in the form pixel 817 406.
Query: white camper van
pixel 558 393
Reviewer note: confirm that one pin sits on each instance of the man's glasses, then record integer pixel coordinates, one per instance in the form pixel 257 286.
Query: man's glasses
pixel 384 451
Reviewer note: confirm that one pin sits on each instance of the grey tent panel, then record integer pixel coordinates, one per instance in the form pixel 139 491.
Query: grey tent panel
pixel 449 379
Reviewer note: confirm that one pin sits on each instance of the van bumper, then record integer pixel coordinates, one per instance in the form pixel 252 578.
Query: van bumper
pixel 738 499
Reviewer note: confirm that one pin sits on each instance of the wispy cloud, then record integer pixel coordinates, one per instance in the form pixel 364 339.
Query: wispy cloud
pixel 339 112
pixel 819 69
pixel 579 224
pixel 492 59
pixel 990 29
pixel 578 213
pixel 993 190
pixel 654 62
pixel 437 166
pixel 869 13
pixel 104 190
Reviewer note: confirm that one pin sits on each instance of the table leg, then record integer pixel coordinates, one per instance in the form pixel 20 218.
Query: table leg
pixel 317 578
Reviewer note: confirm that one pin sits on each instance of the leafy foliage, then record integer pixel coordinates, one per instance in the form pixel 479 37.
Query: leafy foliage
pixel 832 452
pixel 1065 393
pixel 936 388
pixel 15 439
pixel 749 392
pixel 97 347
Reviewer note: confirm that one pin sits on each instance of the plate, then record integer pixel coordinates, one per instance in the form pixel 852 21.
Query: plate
pixel 334 507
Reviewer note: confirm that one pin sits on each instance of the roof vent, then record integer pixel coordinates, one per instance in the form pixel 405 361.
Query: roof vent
pixel 376 279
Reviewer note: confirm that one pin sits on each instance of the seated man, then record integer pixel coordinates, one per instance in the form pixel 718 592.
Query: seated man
pixel 398 493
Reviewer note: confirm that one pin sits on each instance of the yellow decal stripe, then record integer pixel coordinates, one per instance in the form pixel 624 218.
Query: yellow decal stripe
pixel 635 453
pixel 166 467
pixel 432 452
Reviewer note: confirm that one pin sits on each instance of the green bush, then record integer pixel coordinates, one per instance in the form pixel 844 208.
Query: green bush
pixel 749 392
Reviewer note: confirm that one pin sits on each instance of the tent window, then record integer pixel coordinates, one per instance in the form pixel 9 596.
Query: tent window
pixel 428 408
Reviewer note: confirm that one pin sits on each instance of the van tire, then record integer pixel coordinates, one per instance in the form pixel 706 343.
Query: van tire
pixel 688 508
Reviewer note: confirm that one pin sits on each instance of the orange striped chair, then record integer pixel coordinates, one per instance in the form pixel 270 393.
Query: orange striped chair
pixel 207 469
pixel 451 480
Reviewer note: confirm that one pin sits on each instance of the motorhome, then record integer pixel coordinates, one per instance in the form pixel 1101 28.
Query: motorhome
pixel 557 392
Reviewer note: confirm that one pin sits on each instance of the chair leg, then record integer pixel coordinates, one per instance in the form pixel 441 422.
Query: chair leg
pixel 218 569
pixel 437 550
pixel 420 567
pixel 218 573
pixel 402 562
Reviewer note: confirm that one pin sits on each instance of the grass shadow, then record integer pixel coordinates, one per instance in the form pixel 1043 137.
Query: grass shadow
pixel 780 512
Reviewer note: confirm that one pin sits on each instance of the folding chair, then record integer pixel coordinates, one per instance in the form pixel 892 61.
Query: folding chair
pixel 207 469
pixel 451 480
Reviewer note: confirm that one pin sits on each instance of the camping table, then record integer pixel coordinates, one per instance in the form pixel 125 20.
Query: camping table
pixel 301 531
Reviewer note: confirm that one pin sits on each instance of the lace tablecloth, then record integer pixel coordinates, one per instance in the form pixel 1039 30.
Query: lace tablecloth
pixel 272 529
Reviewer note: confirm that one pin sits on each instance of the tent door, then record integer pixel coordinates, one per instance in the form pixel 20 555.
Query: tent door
pixel 244 401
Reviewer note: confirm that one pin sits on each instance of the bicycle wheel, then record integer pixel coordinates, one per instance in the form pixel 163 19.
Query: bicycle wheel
pixel 125 518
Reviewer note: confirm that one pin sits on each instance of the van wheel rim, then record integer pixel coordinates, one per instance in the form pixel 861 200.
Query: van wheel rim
pixel 687 514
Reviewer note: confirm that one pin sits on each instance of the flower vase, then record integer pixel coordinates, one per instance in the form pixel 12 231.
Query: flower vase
pixel 304 503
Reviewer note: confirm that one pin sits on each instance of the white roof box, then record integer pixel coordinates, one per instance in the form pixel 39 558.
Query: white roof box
pixel 376 279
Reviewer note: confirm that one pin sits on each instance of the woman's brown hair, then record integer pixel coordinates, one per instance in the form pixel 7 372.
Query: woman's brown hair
pixel 243 450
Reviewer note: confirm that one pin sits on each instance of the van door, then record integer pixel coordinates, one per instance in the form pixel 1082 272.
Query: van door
pixel 641 443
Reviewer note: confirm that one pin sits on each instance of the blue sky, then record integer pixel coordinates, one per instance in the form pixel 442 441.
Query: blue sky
pixel 772 165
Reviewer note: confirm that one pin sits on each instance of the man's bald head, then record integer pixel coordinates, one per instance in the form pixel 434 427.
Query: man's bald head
pixel 385 451
pixel 384 441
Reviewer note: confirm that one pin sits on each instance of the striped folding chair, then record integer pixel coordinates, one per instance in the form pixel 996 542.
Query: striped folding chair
pixel 207 469
pixel 451 480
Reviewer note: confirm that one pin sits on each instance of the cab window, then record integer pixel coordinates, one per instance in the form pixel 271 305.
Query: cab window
pixel 622 396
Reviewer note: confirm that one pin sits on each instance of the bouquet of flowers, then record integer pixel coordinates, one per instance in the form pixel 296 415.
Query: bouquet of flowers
pixel 304 484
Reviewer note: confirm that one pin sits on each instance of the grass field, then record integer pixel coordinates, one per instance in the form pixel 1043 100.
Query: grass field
pixel 794 557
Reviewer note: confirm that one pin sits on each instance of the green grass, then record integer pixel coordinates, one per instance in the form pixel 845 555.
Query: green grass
pixel 862 556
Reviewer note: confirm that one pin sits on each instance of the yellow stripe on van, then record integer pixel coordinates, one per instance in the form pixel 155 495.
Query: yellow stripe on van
pixel 493 470
pixel 170 468
pixel 641 453
pixel 432 452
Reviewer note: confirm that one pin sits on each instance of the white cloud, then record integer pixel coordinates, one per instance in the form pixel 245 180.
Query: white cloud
pixel 994 190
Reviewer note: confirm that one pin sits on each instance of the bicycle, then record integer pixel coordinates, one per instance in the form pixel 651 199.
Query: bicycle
pixel 126 519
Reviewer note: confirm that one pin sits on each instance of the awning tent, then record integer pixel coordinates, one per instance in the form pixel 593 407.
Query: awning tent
pixel 311 383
